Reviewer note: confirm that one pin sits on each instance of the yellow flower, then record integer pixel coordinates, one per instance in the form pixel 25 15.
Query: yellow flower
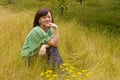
pixel 64 64
pixel 73 76
pixel 51 79
pixel 55 75
pixel 49 71
pixel 63 69
pixel 46 72
pixel 79 73
pixel 79 79
pixel 66 68
pixel 70 71
pixel 47 76
pixel 72 67
pixel 89 74
pixel 42 74
pixel 84 71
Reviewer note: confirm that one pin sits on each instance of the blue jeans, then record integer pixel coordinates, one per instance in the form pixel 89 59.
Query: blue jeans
pixel 52 56
pixel 53 53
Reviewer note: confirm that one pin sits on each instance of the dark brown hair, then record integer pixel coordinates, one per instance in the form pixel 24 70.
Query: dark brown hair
pixel 40 13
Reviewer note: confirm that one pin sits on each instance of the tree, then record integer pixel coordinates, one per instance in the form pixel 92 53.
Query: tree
pixel 62 6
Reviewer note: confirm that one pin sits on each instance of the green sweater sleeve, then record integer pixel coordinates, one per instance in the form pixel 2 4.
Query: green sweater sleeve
pixel 34 40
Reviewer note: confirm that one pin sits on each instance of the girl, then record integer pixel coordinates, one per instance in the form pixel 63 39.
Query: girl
pixel 41 40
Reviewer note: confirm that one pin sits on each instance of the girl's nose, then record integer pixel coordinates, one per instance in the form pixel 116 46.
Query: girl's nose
pixel 47 18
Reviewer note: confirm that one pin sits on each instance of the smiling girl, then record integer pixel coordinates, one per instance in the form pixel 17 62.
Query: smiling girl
pixel 41 40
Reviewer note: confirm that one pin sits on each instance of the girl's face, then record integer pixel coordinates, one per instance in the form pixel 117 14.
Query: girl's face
pixel 46 20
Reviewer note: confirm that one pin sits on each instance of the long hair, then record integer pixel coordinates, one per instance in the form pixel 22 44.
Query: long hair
pixel 40 13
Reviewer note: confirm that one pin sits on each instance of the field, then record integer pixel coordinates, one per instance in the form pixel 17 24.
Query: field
pixel 87 44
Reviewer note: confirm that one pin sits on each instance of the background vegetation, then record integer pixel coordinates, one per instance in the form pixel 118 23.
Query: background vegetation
pixel 89 36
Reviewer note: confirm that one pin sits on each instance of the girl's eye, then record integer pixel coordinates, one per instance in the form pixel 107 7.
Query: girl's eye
pixel 49 17
pixel 44 17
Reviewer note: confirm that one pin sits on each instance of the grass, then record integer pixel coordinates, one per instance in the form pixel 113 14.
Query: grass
pixel 89 38
pixel 80 46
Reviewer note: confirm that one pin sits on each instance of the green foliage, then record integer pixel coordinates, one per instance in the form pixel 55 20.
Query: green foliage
pixel 99 12
pixel 61 7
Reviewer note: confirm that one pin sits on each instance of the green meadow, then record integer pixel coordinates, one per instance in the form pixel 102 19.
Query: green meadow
pixel 89 38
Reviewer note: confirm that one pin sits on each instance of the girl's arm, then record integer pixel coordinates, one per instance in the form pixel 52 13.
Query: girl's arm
pixel 42 50
pixel 55 40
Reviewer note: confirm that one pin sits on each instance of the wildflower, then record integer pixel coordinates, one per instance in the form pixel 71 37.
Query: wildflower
pixel 84 71
pixel 63 69
pixel 49 71
pixel 55 75
pixel 72 67
pixel 73 76
pixel 51 79
pixel 79 73
pixel 66 68
pixel 89 74
pixel 47 76
pixel 79 79
pixel 70 71
pixel 64 64
pixel 41 74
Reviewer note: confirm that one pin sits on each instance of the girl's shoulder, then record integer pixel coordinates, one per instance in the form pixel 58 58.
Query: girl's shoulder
pixel 37 29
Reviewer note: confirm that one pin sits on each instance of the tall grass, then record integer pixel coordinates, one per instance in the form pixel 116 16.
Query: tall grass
pixel 82 47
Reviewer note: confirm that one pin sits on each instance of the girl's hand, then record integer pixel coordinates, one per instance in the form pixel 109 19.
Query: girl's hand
pixel 53 25
pixel 43 49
